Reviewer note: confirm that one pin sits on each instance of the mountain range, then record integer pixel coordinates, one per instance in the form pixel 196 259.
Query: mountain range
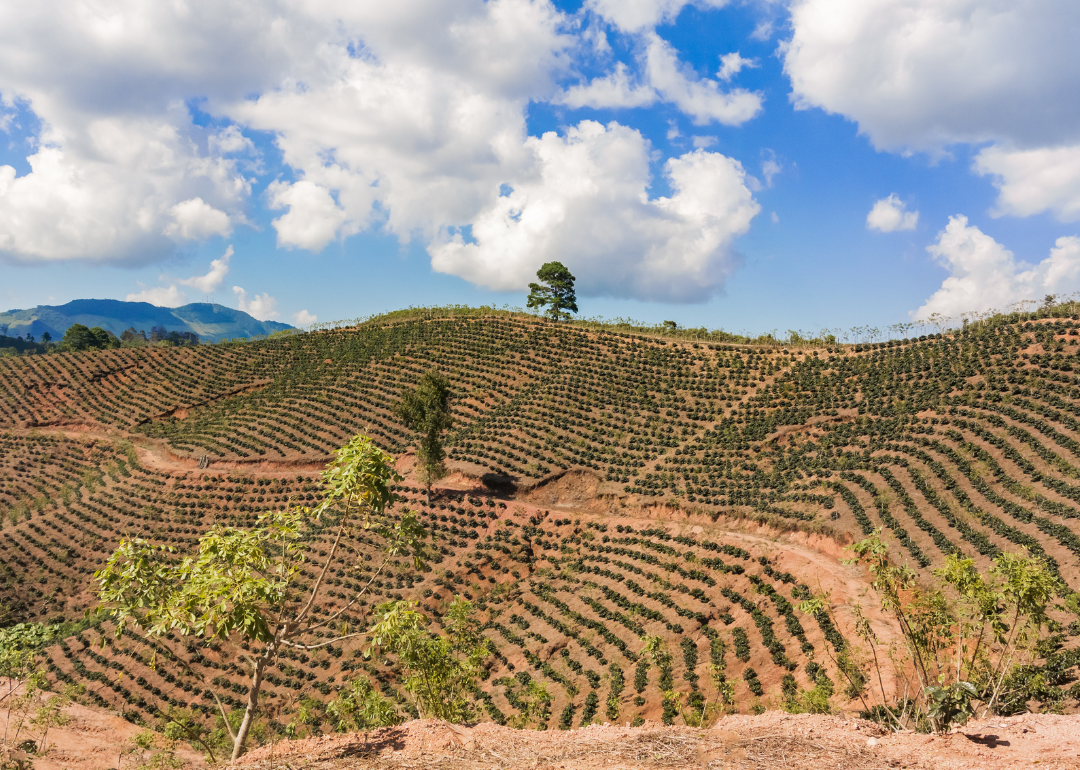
pixel 210 321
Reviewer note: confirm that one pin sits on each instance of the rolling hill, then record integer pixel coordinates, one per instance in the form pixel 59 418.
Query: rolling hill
pixel 211 322
pixel 607 485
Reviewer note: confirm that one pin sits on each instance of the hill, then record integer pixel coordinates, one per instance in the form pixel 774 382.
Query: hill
pixel 211 322
pixel 607 485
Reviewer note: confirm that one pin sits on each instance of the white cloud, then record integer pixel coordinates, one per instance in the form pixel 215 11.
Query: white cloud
pixel 775 218
pixel 162 296
pixel 704 142
pixel 667 79
pixel 922 74
pixel 700 98
pixel 99 203
pixel 586 204
pixel 763 31
pixel 195 219
pixel 173 296
pixel 403 118
pixel 208 283
pixel 1034 181
pixel 313 218
pixel 889 215
pixel 770 167
pixel 638 15
pixel 260 306
pixel 731 64
pixel 985 275
pixel 614 90
pixel 231 140
pixel 413 136
pixel 304 318
pixel 118 152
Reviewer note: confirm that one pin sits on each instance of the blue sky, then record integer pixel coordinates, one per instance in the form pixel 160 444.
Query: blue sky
pixel 353 159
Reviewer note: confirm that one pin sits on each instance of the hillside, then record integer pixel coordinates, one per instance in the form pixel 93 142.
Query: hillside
pixel 212 323
pixel 606 485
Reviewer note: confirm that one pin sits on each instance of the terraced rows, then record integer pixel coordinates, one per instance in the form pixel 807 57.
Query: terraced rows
pixel 968 441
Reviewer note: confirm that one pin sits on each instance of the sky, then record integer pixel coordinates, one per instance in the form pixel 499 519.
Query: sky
pixel 763 165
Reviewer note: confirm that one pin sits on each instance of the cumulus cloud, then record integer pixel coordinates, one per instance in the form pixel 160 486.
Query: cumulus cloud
pixel 731 64
pixel 920 75
pixel 1034 181
pixel 117 150
pixel 638 15
pixel 210 282
pixel 102 205
pixel 985 275
pixel 614 90
pixel 162 296
pixel 313 219
pixel 304 318
pixel 588 197
pixel 890 214
pixel 196 219
pixel 414 136
pixel 173 296
pixel 665 78
pixel 700 98
pixel 260 306
pixel 406 119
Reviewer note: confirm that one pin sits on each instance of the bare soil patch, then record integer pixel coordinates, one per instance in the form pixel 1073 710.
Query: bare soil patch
pixel 775 740
pixel 93 739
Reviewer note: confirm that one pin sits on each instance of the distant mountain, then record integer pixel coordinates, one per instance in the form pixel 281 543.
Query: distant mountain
pixel 211 322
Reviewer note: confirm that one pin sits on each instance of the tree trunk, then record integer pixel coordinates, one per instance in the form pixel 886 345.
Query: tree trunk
pixel 252 706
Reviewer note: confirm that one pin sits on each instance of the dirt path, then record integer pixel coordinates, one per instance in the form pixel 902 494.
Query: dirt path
pixel 156 455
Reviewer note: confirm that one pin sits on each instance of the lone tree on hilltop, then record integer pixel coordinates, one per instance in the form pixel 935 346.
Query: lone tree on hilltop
pixel 426 410
pixel 246 587
pixel 556 293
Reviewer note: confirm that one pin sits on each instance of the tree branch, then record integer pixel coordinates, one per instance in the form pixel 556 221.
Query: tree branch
pixel 352 601
pixel 202 678
pixel 325 568
pixel 299 646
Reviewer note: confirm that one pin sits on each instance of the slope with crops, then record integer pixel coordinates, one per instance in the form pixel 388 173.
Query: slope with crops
pixel 604 492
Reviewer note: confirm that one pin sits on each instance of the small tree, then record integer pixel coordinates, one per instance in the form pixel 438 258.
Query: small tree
pixel 962 654
pixel 438 671
pixel 242 585
pixel 426 410
pixel 23 681
pixel 555 292
pixel 361 707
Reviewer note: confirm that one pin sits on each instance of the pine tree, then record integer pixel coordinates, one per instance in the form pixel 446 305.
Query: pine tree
pixel 557 292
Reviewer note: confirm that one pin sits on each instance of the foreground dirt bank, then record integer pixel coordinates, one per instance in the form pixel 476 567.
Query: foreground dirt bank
pixel 92 739
pixel 775 740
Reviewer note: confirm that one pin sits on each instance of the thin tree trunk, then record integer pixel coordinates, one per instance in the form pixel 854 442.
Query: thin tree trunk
pixel 252 706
